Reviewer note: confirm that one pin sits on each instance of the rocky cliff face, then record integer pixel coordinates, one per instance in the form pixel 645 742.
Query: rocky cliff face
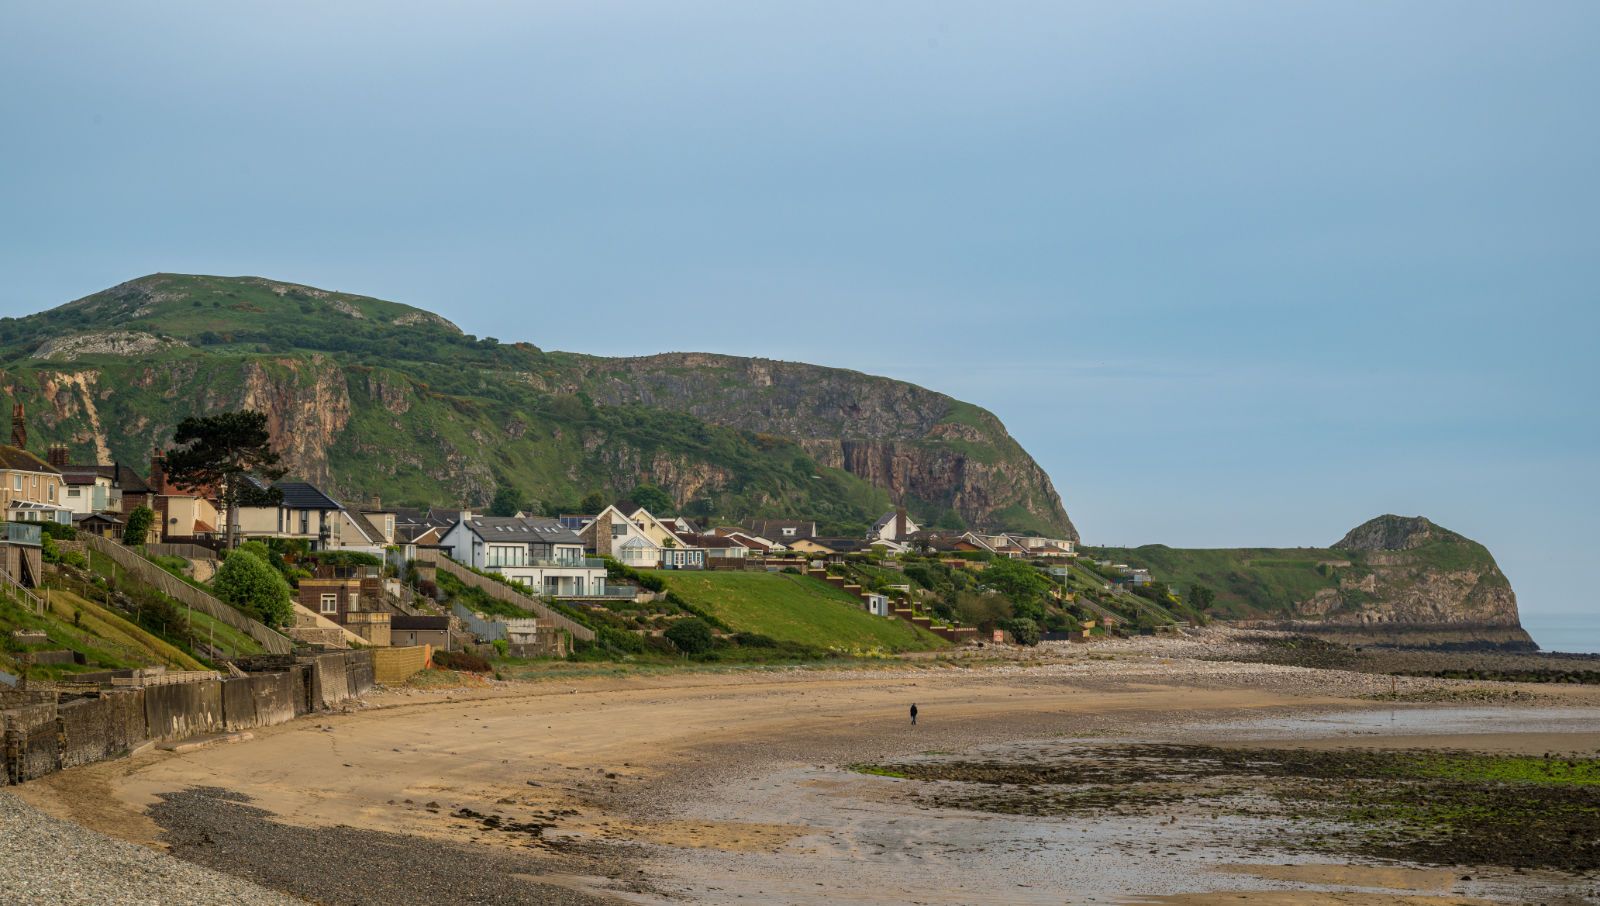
pixel 1407 570
pixel 368 397
pixel 924 448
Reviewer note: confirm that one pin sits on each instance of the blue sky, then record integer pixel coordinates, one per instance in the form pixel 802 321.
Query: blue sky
pixel 1235 273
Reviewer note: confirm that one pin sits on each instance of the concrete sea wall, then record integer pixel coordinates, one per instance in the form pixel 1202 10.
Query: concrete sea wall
pixel 44 732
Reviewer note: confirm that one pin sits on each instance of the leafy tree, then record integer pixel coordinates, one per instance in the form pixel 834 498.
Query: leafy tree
pixel 692 635
pixel 984 611
pixel 507 502
pixel 249 583
pixel 137 531
pixel 1023 630
pixel 592 503
pixel 1015 579
pixel 652 498
pixel 1201 598
pixel 219 454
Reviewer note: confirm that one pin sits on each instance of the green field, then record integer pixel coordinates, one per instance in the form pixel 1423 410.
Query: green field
pixel 795 609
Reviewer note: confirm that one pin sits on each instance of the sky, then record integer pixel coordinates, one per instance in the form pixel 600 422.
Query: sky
pixel 1234 273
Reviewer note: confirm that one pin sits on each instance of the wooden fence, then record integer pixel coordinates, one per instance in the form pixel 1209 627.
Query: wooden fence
pixel 186 594
pixel 186 551
pixel 503 592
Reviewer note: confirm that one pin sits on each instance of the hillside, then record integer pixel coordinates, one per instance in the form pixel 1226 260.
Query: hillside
pixel 373 397
pixel 107 639
pixel 1392 579
pixel 795 609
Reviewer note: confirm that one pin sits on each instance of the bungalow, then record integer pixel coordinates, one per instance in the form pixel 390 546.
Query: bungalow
pixel 782 531
pixel 103 524
pixel 848 546
pixel 718 548
pixel 1034 546
pixel 748 539
pixel 947 541
pixel 1003 546
pixel 533 550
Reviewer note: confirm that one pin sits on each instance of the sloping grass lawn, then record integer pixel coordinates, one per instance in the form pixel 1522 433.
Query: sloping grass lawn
pixel 118 632
pixel 795 609
pixel 105 637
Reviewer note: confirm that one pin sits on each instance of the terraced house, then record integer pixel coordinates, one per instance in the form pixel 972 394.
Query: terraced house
pixel 536 551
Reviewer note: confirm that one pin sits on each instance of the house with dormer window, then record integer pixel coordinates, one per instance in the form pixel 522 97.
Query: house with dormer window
pixel 533 550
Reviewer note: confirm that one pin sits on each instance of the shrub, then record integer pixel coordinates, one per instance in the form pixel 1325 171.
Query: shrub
pixel 58 531
pixel 502 647
pixel 619 640
pixel 461 660
pixel 691 635
pixel 137 531
pixel 1023 630
pixel 247 582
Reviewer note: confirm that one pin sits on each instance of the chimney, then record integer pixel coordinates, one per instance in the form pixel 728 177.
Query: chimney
pixel 58 455
pixel 158 477
pixel 377 502
pixel 19 426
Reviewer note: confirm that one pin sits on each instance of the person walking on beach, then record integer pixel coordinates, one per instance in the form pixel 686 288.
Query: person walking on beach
pixel 913 714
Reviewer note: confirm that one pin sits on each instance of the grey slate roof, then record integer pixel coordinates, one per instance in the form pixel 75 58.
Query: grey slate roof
pixel 527 529
pixel 302 495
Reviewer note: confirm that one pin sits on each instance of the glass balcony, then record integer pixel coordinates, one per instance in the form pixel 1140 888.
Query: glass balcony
pixel 23 533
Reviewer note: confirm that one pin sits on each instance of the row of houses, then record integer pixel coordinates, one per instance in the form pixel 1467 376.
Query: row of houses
pixel 558 557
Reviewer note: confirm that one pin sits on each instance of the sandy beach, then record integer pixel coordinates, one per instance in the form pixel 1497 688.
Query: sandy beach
pixel 738 786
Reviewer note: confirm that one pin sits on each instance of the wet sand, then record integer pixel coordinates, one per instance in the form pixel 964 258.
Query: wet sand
pixel 734 787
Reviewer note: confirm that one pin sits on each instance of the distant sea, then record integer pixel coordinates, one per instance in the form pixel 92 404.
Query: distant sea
pixel 1574 633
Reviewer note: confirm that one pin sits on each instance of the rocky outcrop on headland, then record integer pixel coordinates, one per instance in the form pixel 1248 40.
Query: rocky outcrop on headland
pixel 1393 580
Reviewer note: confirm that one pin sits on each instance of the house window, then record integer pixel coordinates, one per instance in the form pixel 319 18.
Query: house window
pixel 330 603
pixel 305 522
pixel 18 480
pixel 51 488
pixel 73 492
pixel 788 532
pixel 618 530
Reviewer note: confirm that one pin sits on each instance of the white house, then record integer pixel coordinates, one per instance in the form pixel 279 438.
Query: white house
pixel 894 526
pixel 536 551
pixel 612 534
